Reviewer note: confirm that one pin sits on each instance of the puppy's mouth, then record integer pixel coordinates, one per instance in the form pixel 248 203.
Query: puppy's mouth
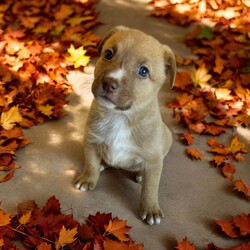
pixel 106 101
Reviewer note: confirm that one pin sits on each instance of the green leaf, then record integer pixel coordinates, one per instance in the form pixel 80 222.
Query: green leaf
pixel 246 69
pixel 206 33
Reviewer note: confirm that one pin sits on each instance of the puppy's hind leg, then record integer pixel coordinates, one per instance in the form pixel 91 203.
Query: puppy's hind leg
pixel 91 172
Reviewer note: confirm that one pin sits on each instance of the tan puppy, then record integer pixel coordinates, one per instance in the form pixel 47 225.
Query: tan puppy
pixel 124 127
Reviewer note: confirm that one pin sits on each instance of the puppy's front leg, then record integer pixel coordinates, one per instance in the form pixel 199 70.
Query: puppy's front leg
pixel 149 206
pixel 91 172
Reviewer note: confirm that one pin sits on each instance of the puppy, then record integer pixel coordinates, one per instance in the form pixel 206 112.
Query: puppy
pixel 124 128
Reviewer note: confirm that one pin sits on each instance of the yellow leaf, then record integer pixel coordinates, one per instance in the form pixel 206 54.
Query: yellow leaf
pixel 77 20
pixel 10 117
pixel 4 219
pixel 64 12
pixel 66 237
pixel 77 56
pixel 25 218
pixel 46 109
pixel 237 146
pixel 1 243
pixel 200 77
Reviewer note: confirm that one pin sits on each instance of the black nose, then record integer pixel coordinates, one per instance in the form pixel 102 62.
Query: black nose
pixel 109 85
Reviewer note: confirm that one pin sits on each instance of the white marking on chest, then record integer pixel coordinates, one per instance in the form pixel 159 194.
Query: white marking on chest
pixel 117 74
pixel 115 140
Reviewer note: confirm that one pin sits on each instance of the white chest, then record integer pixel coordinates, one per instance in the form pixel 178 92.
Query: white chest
pixel 115 142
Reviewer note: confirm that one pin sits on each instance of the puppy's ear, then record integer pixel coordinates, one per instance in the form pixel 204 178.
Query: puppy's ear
pixel 110 33
pixel 170 64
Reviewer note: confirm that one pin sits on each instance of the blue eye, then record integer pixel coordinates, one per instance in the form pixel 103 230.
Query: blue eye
pixel 108 54
pixel 143 71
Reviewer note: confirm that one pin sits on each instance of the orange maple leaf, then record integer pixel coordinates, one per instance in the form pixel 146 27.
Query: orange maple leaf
pixel 242 187
pixel 228 170
pixel 4 219
pixel 188 138
pixel 194 153
pixel 25 218
pixel 116 245
pixel 243 223
pixel 228 228
pixel 44 246
pixel 119 229
pixel 66 237
pixel 185 245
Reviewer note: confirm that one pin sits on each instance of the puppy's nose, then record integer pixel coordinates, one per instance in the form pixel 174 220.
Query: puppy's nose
pixel 109 85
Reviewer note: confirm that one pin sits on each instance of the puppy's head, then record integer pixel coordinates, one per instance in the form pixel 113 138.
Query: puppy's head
pixel 131 69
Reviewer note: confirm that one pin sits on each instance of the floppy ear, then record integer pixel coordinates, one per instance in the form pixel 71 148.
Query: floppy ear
pixel 170 64
pixel 110 33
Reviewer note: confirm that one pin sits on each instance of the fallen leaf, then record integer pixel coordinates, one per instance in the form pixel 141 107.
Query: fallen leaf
pixel 185 245
pixel 237 146
pixel 244 246
pixel 200 77
pixel 25 218
pixel 44 246
pixel 243 223
pixel 242 187
pixel 10 118
pixel 188 138
pixel 116 245
pixel 228 228
pixel 194 153
pixel 26 206
pixel 77 56
pixel 66 237
pixel 46 109
pixel 228 170
pixel 119 229
pixel 4 219
pixel 6 177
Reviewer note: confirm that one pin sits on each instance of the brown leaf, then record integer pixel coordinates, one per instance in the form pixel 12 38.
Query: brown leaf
pixel 6 177
pixel 26 206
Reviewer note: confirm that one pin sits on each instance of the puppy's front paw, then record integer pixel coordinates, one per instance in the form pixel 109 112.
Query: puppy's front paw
pixel 85 182
pixel 151 215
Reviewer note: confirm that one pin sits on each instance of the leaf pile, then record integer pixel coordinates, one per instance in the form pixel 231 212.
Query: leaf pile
pixel 184 12
pixel 35 56
pixel 48 228
pixel 215 93
pixel 238 227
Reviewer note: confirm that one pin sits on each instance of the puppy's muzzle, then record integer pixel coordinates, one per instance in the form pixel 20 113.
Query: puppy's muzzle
pixel 109 85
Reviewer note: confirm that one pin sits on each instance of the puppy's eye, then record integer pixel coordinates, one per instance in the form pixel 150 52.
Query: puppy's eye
pixel 143 71
pixel 108 54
